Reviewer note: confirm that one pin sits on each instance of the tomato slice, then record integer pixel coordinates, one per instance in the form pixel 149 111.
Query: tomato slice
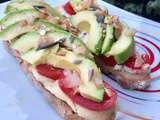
pixel 131 63
pixel 69 9
pixel 147 58
pixel 107 103
pixel 50 71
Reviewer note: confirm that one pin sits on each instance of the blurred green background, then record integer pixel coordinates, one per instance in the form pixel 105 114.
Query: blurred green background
pixel 146 8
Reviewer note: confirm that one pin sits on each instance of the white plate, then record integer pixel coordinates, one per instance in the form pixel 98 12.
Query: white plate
pixel 21 101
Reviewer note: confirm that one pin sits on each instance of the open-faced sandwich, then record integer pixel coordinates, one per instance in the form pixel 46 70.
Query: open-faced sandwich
pixel 59 63
pixel 112 43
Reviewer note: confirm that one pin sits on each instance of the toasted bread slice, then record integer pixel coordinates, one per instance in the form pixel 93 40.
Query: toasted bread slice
pixel 125 79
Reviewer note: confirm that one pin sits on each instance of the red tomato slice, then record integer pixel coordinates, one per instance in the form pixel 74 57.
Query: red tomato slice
pixel 147 58
pixel 107 103
pixel 50 71
pixel 131 63
pixel 69 9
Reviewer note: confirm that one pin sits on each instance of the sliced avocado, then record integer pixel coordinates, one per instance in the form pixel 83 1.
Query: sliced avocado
pixel 44 24
pixel 19 16
pixel 30 4
pixel 57 60
pixel 90 91
pixel 122 49
pixel 86 68
pixel 56 36
pixel 30 40
pixel 109 39
pixel 89 71
pixel 54 49
pixel 80 48
pixel 26 42
pixel 87 21
pixel 14 31
pixel 72 42
pixel 33 56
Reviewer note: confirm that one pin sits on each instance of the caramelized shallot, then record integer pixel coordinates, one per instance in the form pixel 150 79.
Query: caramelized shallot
pixel 72 79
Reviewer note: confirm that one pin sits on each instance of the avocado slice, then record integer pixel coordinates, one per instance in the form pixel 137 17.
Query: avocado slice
pixel 30 4
pixel 26 42
pixel 109 39
pixel 30 40
pixel 91 92
pixel 58 33
pixel 87 21
pixel 123 48
pixel 33 56
pixel 37 56
pixel 44 24
pixel 71 43
pixel 14 17
pixel 14 31
pixel 86 68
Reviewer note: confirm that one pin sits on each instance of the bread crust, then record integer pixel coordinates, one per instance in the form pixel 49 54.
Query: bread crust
pixel 60 106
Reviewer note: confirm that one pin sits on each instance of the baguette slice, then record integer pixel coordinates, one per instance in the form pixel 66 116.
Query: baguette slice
pixel 124 78
pixel 61 106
